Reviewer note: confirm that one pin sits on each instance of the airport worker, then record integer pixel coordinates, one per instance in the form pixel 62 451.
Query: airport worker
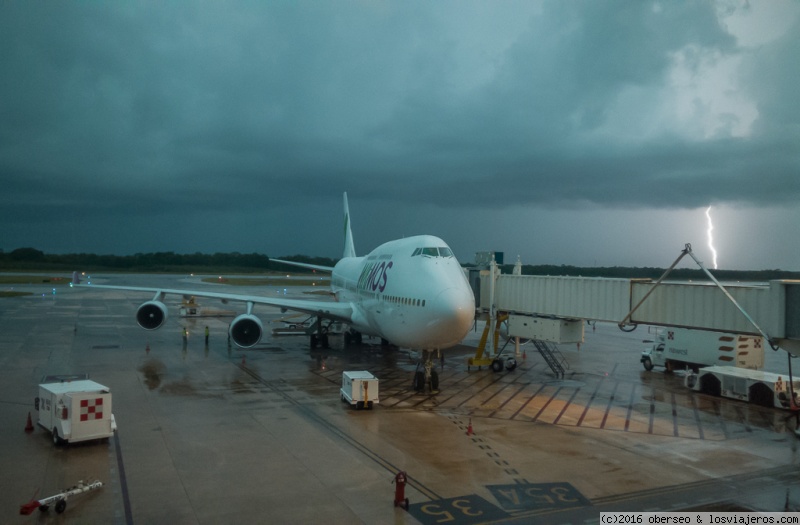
pixel 206 334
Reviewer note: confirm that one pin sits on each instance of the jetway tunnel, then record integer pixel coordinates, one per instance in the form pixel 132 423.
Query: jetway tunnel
pixel 773 306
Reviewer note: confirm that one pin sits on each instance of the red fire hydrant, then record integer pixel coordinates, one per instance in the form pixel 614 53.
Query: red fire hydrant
pixel 400 499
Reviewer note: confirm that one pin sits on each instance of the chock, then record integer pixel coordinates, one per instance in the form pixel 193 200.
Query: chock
pixel 29 424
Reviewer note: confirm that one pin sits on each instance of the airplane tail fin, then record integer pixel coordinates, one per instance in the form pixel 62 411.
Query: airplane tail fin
pixel 349 247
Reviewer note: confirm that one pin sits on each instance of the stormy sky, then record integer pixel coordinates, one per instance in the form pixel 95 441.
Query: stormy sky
pixel 579 133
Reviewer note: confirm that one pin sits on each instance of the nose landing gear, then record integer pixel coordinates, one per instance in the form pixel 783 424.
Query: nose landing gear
pixel 425 374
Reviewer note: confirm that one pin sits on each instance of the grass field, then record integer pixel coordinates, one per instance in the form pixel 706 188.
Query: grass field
pixel 32 279
pixel 13 294
pixel 268 281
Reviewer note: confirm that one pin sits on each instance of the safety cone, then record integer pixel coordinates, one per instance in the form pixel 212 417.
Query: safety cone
pixel 524 355
pixel 469 428
pixel 29 424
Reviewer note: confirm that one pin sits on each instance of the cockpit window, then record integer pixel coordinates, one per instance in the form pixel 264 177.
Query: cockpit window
pixel 433 252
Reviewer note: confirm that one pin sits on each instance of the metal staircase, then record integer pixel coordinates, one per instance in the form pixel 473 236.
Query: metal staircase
pixel 553 357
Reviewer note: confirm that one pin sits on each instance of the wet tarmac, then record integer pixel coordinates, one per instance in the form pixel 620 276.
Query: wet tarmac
pixel 214 434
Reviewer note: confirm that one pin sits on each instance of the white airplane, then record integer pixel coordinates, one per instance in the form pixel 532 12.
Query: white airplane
pixel 410 292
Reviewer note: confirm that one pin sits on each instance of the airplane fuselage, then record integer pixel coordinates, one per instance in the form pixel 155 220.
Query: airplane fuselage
pixel 411 292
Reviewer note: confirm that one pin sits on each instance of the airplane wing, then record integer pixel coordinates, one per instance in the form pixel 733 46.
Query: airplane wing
pixel 326 309
pixel 305 265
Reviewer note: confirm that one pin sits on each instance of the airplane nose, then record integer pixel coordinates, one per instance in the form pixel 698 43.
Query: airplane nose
pixel 455 310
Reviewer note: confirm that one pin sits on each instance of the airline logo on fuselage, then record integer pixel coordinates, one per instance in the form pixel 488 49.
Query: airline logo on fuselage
pixel 374 276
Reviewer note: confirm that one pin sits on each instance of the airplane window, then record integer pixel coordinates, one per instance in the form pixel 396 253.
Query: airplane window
pixel 416 252
pixel 433 252
pixel 445 252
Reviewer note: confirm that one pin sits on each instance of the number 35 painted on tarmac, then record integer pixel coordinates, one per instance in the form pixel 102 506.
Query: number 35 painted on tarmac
pixel 463 510
pixel 462 505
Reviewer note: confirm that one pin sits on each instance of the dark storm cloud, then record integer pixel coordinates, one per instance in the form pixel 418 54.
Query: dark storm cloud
pixel 146 109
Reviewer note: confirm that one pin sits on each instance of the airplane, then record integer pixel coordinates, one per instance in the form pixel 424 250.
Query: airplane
pixel 410 292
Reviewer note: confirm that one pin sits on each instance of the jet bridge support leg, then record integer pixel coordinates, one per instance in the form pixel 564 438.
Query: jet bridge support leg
pixel 482 357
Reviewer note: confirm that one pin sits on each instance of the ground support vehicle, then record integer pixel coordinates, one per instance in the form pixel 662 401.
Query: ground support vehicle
pixel 75 411
pixel 359 389
pixel 754 386
pixel 59 499
pixel 680 348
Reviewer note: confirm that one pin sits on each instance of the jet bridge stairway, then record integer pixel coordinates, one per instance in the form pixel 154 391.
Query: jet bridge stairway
pixel 550 352
pixel 553 357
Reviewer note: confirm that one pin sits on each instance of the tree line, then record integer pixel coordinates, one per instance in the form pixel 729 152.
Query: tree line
pixel 33 259
pixel 624 272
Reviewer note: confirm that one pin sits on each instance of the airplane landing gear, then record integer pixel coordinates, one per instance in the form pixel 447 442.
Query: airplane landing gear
pixel 316 340
pixel 318 334
pixel 352 337
pixel 426 374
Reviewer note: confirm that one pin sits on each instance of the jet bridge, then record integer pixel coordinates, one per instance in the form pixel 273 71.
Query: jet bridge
pixel 552 308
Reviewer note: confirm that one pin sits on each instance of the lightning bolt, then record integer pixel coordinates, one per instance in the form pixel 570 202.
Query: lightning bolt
pixel 711 237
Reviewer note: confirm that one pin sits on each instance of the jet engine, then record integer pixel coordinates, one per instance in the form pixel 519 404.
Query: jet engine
pixel 246 330
pixel 151 315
